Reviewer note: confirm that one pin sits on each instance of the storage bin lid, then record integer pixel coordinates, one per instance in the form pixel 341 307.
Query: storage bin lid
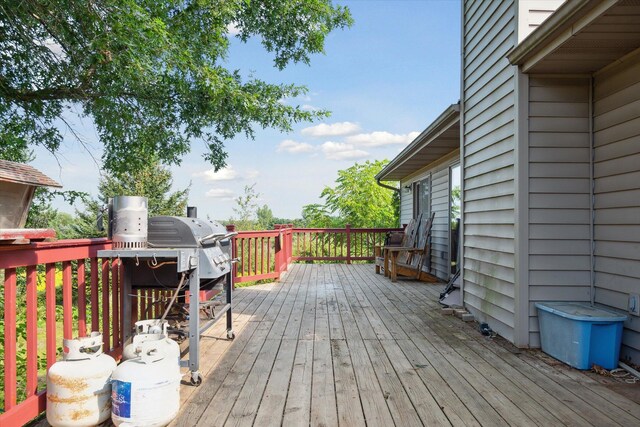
pixel 580 311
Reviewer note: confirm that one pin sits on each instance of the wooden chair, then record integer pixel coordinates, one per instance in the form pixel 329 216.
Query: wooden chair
pixel 381 253
pixel 408 260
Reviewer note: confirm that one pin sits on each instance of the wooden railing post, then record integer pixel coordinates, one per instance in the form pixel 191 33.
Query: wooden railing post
pixel 348 228
pixel 279 249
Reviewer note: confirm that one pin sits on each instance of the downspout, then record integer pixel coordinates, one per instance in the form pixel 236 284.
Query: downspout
pixel 399 194
pixel 387 186
pixel 592 198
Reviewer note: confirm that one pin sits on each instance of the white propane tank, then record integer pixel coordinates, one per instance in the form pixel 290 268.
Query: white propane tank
pixel 79 387
pixel 146 389
pixel 145 329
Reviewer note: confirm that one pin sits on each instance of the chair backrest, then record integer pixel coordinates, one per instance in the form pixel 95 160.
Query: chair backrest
pixel 414 259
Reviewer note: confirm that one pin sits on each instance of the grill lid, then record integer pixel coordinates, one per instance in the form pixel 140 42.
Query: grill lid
pixel 180 232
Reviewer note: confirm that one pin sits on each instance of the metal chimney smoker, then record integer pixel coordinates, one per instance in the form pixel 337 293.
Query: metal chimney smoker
pixel 177 253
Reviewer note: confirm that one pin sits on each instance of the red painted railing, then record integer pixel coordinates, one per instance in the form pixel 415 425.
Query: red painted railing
pixel 267 254
pixel 45 286
pixel 62 289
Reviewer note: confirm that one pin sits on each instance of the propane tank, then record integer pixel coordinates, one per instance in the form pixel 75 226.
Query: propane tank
pixel 149 328
pixel 146 389
pixel 79 387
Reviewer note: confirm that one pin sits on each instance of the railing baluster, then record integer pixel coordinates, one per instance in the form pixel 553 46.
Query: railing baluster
pixel 10 372
pixel 50 291
pixel 95 304
pixel 82 299
pixel 67 307
pixel 32 330
pixel 105 306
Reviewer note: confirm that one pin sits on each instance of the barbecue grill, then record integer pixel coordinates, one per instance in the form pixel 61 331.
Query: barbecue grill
pixel 174 253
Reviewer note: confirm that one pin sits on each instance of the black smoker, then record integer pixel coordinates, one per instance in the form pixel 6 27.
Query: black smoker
pixel 167 252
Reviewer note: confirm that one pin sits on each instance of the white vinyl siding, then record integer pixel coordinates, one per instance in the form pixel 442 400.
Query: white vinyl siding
pixel 559 193
pixel 406 202
pixel 532 13
pixel 617 193
pixel 440 206
pixel 488 166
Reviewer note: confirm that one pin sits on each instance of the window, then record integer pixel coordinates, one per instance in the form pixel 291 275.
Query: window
pixel 422 197
pixel 454 218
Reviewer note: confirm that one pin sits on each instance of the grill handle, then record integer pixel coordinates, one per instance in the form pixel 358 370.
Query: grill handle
pixel 216 237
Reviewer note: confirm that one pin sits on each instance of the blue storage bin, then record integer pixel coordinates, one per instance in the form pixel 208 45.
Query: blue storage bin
pixel 580 335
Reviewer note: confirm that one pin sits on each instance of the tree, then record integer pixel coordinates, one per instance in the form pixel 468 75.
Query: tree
pixel 265 218
pixel 152 181
pixel 150 73
pixel 357 199
pixel 246 208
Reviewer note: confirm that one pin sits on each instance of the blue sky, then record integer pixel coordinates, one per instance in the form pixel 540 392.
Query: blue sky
pixel 384 80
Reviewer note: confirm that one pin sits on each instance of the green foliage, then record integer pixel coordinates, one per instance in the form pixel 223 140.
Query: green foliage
pixel 152 181
pixel 356 199
pixel 150 73
pixel 245 209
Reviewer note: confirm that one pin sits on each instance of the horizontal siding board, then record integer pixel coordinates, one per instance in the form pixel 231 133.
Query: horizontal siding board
pixel 559 170
pixel 489 166
pixel 559 216
pixel 489 191
pixel 489 243
pixel 620 233
pixel 558 201
pixel 560 292
pixel 617 149
pixel 618 116
pixel 560 155
pixel 560 262
pixel 500 175
pixel 619 199
pixel 558 139
pixel 552 185
pixel 559 247
pixel 563 231
pixel 558 109
pixel 616 100
pixel 493 204
pixel 483 97
pixel 559 124
pixel 619 216
pixel 569 278
pixel 619 250
pixel 616 166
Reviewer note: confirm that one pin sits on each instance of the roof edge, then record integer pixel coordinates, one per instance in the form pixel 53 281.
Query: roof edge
pixel 564 14
pixel 451 113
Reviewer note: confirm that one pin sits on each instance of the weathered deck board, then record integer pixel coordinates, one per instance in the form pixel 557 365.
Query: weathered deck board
pixel 338 345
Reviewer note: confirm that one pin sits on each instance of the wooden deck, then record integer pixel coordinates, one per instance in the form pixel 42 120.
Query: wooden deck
pixel 338 345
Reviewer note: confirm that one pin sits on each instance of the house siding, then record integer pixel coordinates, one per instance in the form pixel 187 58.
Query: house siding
pixel 617 193
pixel 532 13
pixel 559 193
pixel 440 178
pixel 406 203
pixel 489 32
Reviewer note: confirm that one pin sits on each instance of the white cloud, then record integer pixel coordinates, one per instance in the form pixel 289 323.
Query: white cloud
pixel 342 151
pixel 381 138
pixel 335 129
pixel 232 29
pixel 294 147
pixel 224 174
pixel 220 193
pixel 308 107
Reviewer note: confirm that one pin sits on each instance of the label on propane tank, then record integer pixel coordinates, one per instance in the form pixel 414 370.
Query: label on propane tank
pixel 145 401
pixel 121 399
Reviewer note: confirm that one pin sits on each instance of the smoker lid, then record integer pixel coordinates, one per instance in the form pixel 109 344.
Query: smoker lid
pixel 180 232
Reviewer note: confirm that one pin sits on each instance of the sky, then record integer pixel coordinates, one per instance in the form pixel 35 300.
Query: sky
pixel 384 80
